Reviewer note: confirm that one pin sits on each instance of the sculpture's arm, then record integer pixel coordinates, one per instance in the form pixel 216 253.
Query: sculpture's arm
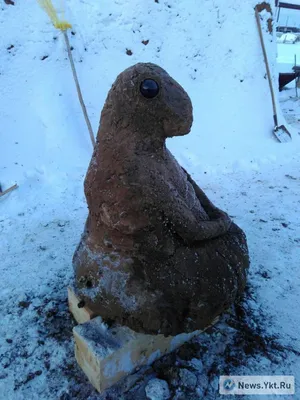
pixel 212 211
pixel 181 219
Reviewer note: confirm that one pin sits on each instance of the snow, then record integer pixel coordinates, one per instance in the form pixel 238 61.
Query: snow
pixel 287 38
pixel 286 54
pixel 157 389
pixel 231 153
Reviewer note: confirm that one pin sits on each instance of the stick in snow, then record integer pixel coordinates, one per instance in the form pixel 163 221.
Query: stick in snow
pixel 78 89
pixel 8 190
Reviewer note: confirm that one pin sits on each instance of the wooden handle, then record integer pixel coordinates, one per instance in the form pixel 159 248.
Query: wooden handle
pixel 85 114
pixel 266 62
pixel 8 190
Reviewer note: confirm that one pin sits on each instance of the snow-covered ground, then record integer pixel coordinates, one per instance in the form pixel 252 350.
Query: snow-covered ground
pixel 286 53
pixel 45 148
pixel 38 237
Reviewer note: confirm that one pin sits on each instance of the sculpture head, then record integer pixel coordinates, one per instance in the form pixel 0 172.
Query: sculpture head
pixel 145 98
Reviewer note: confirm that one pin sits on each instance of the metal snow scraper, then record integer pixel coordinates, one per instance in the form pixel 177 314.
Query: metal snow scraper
pixel 281 132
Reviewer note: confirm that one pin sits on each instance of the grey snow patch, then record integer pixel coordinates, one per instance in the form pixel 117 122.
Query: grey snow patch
pixel 157 389
pixel 187 379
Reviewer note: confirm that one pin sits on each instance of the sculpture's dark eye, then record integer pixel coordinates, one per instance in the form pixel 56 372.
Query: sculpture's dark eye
pixel 149 88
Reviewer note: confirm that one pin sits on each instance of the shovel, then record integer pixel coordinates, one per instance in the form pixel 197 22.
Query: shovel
pixel 281 133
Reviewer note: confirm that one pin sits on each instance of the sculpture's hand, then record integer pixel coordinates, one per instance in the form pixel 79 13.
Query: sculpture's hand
pixel 212 229
pixel 212 211
pixel 182 220
pixel 216 213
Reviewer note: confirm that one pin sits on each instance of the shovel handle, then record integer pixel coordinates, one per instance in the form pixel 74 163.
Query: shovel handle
pixel 266 62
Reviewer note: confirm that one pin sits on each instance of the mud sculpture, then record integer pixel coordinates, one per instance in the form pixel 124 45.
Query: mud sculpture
pixel 156 254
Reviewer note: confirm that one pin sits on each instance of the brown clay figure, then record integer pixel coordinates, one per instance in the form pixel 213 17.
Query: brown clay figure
pixel 156 254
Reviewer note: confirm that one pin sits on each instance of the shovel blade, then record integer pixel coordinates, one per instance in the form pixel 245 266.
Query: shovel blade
pixel 282 134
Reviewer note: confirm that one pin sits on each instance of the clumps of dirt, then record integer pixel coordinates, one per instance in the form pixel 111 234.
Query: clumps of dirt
pixel 291 177
pixel 177 374
pixel 80 387
pixel 270 25
pixel 29 378
pixel 250 338
pixel 129 52
pixel 266 6
pixel 238 340
pixel 55 320
pixel 264 274
pixel 145 42
pixel 24 303
pixel 189 350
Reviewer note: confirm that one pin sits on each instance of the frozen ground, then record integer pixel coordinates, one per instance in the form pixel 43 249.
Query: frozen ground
pixel 45 149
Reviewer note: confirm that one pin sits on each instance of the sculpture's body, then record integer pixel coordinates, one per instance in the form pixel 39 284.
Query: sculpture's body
pixel 156 254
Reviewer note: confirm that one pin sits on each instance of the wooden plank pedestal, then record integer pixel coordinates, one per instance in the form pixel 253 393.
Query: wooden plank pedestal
pixel 106 355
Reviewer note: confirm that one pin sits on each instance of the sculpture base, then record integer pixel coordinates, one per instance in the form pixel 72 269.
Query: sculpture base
pixel 106 355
